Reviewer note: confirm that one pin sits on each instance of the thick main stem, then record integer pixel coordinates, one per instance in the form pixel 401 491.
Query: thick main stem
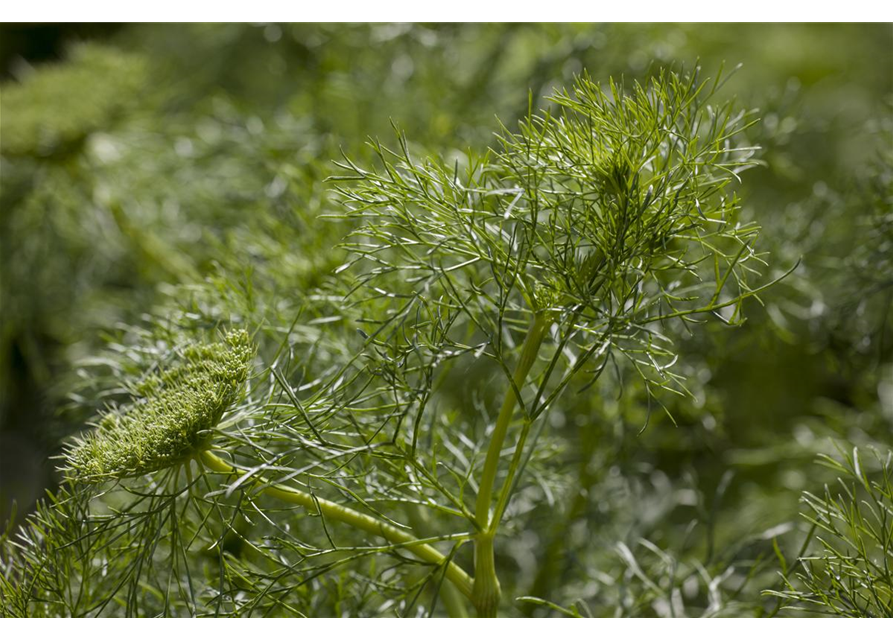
pixel 369 524
pixel 486 584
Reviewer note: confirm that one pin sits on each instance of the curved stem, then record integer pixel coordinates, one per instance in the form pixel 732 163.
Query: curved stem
pixel 369 524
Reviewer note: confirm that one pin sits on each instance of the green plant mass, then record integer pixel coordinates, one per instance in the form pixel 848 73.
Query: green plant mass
pixel 281 345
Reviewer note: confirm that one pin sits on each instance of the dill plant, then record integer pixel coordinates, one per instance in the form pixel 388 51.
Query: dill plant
pixel 591 226
pixel 580 243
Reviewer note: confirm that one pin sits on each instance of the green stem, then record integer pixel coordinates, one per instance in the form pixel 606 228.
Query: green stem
pixel 486 584
pixel 453 601
pixel 369 524
pixel 529 351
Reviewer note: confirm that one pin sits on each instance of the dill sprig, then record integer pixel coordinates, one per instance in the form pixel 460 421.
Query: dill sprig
pixel 846 571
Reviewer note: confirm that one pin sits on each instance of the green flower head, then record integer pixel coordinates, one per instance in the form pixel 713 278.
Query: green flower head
pixel 173 415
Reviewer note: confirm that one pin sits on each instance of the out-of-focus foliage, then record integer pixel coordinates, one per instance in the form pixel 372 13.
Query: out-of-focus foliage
pixel 41 119
pixel 170 181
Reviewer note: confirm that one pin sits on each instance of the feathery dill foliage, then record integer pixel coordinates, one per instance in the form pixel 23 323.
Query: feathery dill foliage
pixel 49 557
pixel 848 573
pixel 611 213
pixel 172 416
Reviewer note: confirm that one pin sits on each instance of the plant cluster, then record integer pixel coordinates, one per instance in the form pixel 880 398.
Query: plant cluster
pixel 446 413
pixel 579 243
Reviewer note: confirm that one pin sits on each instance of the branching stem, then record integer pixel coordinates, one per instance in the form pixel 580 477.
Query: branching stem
pixel 529 352
pixel 486 584
pixel 346 515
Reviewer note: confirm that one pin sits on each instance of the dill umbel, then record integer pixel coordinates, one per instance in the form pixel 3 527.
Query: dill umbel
pixel 171 419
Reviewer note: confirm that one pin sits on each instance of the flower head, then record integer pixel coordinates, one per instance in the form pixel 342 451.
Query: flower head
pixel 172 417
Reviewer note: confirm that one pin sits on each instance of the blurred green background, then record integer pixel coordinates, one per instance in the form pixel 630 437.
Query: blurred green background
pixel 137 158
